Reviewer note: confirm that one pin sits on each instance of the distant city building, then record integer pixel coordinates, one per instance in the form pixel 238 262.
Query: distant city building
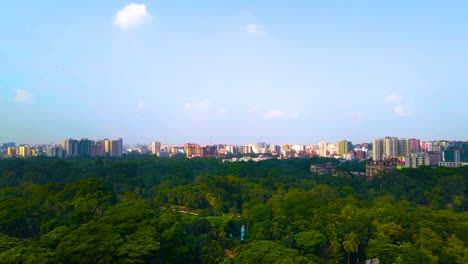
pixel 231 149
pixel 24 151
pixel 344 147
pixel 144 150
pixel 382 166
pixel 350 155
pixel 8 144
pixel 100 150
pixel 424 146
pixel 70 147
pixel 275 148
pixel 116 148
pixel 361 155
pixel 298 148
pixel 84 146
pixel 107 147
pixel 434 158
pixel 11 152
pixel 390 147
pixel 54 151
pixel 244 149
pixel 193 150
pixel 450 158
pixel 210 151
pixel 155 147
pixel 415 160
pixel 322 169
pixel 415 145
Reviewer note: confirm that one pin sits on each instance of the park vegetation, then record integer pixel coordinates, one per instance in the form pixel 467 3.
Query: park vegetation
pixel 143 209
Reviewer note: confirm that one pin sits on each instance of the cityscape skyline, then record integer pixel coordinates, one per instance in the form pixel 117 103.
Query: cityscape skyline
pixel 243 71
pixel 210 141
pixel 382 154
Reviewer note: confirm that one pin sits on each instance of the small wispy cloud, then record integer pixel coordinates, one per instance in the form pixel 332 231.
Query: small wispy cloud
pixel 131 16
pixel 23 97
pixel 393 98
pixel 254 29
pixel 399 108
pixel 275 114
pixel 141 105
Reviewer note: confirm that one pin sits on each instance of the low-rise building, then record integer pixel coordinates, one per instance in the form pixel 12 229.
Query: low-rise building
pixel 381 166
pixel 321 169
pixel 450 158
pixel 415 160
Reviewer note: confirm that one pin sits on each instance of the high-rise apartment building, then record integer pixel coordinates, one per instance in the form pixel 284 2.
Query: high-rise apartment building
pixel 70 147
pixel 11 152
pixel 116 148
pixel 344 147
pixel 210 151
pixel 84 146
pixel 92 148
pixel 231 149
pixel 24 151
pixel 107 147
pixel 415 145
pixel 156 148
pixel 390 147
pixel 54 151
pixel 193 150
pixel 99 148
pixel 377 149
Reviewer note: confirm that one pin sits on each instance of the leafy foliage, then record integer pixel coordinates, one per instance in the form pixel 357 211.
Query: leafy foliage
pixel 142 209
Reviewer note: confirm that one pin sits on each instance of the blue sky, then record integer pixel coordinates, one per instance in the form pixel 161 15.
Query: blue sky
pixel 239 71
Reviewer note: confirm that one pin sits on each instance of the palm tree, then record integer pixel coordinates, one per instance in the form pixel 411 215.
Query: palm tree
pixel 351 243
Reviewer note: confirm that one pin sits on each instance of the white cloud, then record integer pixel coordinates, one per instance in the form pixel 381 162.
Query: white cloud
pixel 23 97
pixel 401 110
pixel 254 29
pixel 141 105
pixel 188 105
pixel 275 114
pixel 393 98
pixel 131 16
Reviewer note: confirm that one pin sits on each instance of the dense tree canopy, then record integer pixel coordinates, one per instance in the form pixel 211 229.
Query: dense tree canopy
pixel 143 209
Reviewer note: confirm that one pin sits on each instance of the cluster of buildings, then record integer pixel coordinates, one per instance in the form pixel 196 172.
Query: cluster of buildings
pixel 381 155
pixel 69 148
pixel 411 153
pixel 392 153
